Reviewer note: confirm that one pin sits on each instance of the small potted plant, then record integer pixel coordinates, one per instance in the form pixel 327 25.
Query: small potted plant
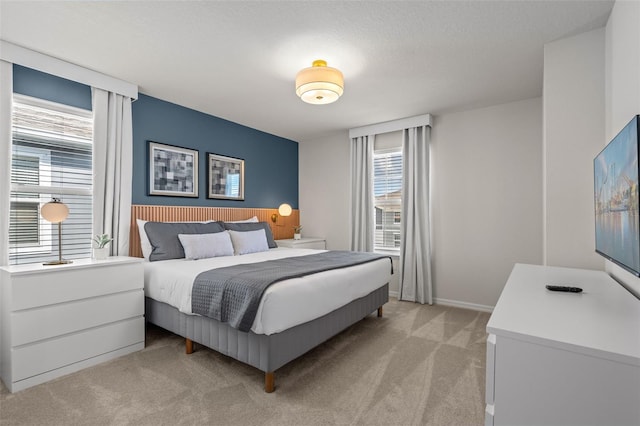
pixel 101 251
pixel 296 232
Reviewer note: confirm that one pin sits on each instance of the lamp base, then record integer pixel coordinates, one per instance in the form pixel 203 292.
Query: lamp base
pixel 57 262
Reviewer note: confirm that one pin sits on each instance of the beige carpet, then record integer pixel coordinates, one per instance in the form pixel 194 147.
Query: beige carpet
pixel 416 365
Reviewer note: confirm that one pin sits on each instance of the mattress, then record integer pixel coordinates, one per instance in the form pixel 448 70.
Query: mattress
pixel 284 304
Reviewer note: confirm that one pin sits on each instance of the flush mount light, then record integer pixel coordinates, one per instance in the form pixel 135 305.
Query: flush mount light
pixel 319 84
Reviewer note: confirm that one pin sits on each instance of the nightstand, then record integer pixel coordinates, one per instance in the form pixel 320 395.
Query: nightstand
pixel 310 243
pixel 60 319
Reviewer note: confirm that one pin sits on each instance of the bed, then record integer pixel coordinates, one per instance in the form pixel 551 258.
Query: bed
pixel 294 315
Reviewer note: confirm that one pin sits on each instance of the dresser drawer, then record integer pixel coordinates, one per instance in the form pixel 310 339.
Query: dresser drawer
pixel 31 325
pixel 317 245
pixel 64 285
pixel 37 358
pixel 306 243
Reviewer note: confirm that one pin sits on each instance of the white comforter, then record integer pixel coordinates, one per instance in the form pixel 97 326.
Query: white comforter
pixel 285 304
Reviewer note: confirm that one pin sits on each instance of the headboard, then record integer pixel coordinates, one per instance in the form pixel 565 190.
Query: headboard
pixel 283 228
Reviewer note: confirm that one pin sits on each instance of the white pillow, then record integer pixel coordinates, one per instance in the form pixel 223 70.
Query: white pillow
pixel 203 246
pixel 249 241
pixel 250 220
pixel 145 244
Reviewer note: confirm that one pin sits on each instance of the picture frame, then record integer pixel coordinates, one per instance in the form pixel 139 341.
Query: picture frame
pixel 173 170
pixel 225 177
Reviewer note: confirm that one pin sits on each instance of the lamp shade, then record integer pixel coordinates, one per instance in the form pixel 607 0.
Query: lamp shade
pixel 319 84
pixel 285 209
pixel 54 211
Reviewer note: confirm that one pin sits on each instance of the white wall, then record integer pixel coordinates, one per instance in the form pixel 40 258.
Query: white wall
pixel 324 189
pixel 573 115
pixel 486 198
pixel 487 193
pixel 622 87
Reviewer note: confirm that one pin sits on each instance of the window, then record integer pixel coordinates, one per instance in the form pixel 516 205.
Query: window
pixel 387 188
pixel 232 188
pixel 51 157
pixel 378 218
pixel 24 228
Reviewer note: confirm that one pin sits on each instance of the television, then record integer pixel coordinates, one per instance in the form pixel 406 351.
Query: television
pixel 616 194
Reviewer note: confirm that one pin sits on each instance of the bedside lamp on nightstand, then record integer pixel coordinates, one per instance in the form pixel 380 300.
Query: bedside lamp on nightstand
pixel 56 212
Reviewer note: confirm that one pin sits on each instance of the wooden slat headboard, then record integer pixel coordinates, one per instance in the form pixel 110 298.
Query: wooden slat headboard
pixel 282 229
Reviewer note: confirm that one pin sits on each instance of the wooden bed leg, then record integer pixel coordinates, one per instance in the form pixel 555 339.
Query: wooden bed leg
pixel 269 382
pixel 380 312
pixel 188 344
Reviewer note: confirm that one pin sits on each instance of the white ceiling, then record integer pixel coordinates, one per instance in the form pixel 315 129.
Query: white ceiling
pixel 238 59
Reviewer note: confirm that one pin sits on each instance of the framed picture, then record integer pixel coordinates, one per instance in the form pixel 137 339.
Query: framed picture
pixel 173 171
pixel 225 176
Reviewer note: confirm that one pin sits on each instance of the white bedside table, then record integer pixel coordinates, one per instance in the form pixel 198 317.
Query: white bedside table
pixel 60 319
pixel 311 243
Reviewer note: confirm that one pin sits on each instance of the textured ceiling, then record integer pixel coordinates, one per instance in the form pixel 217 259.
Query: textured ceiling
pixel 238 60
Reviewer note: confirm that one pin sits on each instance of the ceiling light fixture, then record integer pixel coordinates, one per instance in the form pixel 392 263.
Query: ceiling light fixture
pixel 319 84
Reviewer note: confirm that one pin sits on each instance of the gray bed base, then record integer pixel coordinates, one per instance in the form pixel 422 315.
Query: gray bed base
pixel 267 353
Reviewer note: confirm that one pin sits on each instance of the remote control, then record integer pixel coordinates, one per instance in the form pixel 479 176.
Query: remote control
pixel 564 288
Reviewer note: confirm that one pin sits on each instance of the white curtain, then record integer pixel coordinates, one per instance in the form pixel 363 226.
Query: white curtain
pixel 362 214
pixel 415 249
pixel 112 168
pixel 6 96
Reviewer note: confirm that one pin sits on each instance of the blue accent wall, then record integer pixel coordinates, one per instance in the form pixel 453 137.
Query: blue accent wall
pixel 30 82
pixel 271 162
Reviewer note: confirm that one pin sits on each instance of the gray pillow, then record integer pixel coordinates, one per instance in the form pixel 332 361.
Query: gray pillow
pixel 163 237
pixel 243 227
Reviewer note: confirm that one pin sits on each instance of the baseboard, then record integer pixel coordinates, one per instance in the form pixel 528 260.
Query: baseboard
pixel 454 303
pixel 465 305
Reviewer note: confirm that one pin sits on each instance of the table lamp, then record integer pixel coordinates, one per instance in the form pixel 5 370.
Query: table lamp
pixel 56 212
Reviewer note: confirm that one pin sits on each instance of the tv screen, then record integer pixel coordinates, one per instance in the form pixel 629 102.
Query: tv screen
pixel 616 199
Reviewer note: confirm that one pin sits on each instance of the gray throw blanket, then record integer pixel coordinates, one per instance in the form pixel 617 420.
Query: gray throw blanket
pixel 232 294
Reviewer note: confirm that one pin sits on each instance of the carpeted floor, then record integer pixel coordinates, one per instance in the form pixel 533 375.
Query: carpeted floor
pixel 418 365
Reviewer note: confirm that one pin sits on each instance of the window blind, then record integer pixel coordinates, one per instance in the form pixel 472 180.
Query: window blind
pixel 51 157
pixel 387 188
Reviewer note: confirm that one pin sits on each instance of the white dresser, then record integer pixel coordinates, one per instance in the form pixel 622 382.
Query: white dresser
pixel 59 319
pixel 563 358
pixel 310 243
